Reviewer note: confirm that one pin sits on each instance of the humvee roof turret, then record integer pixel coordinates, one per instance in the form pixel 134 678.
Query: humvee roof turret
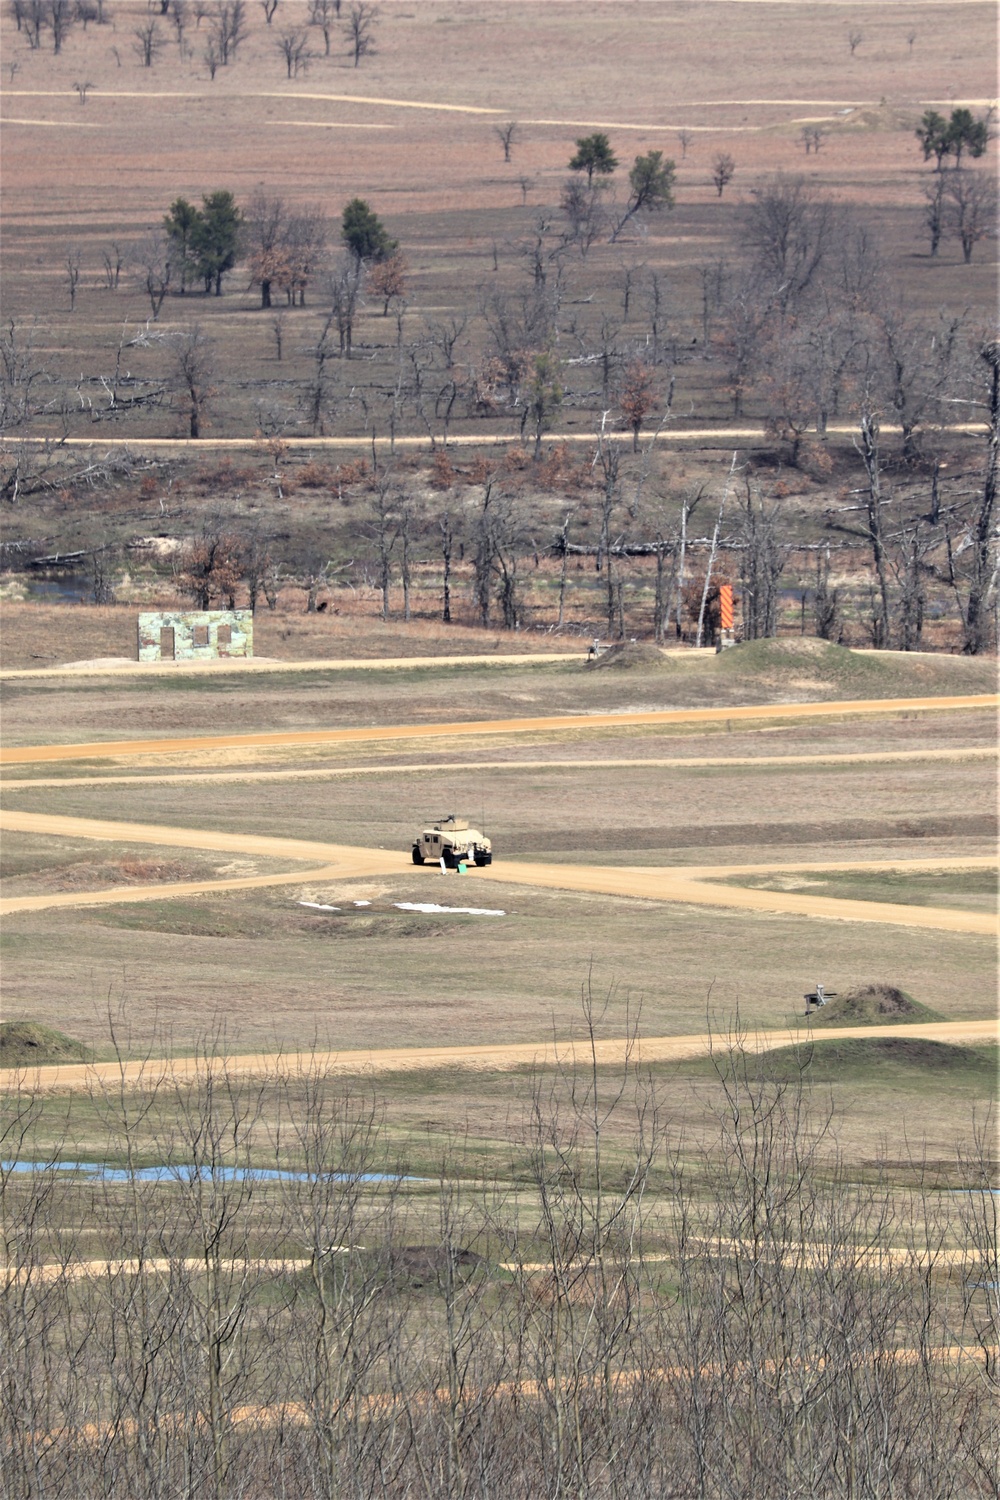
pixel 452 840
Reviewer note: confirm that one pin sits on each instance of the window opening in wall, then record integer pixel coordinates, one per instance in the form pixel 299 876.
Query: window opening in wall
pixel 199 635
pixel 167 643
pixel 224 635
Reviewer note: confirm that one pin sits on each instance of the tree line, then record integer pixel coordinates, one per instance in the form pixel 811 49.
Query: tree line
pixel 610 1311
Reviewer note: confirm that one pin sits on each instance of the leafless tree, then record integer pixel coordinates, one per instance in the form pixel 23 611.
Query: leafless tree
pixel 113 261
pixel 61 17
pixel 868 447
pixel 20 371
pixel 33 20
pixel 346 287
pixel 762 562
pixel 826 601
pixel 194 373
pixel 148 43
pixel 911 37
pixel 269 7
pixel 723 171
pixel 854 38
pixel 211 57
pixel 83 89
pixel 935 209
pixel 323 15
pixel 971 211
pixel 789 231
pixel 506 135
pixel 72 274
pixel 152 267
pixel 229 29
pixel 362 19
pixel 294 48
pixel 684 139
pixel 983 568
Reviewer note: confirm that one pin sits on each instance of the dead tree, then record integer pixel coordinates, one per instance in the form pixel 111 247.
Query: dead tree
pixel 723 171
pixel 868 448
pixel 761 564
pixel 193 373
pixel 362 18
pixel 506 135
pixel 984 564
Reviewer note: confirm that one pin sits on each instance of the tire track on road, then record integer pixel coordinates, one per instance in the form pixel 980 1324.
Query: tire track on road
pixel 686 885
pixel 193 744
pixel 493 1057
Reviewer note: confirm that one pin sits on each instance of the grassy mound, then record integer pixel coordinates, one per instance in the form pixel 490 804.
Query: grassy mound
pixel 628 654
pixel 882 1055
pixel 804 662
pixel 874 1005
pixel 25 1044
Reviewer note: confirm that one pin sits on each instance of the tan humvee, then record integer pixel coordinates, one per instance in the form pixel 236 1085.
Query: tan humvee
pixel 452 840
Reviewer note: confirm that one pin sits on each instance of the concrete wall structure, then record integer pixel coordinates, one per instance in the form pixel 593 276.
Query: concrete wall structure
pixel 195 634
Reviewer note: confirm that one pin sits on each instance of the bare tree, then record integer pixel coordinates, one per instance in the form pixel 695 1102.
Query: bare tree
pixel 971 207
pixel 229 29
pixel 113 262
pixel 854 38
pixel 194 372
pixel 935 209
pixel 152 267
pixel 985 564
pixel 323 15
pixel 761 564
pixel 723 171
pixel 362 19
pixel 148 43
pixel 869 450
pixel 506 135
pixel 789 231
pixel 61 17
pixel 684 139
pixel 346 285
pixel 83 89
pixel 294 48
pixel 72 274
pixel 269 7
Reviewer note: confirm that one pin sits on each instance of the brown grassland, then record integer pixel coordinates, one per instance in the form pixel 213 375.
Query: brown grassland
pixel 726 1276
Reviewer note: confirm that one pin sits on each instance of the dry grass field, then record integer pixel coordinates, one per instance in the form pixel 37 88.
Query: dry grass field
pixel 412 130
pixel 475 1279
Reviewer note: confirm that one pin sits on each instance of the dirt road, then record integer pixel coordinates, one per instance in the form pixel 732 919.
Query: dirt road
pixel 77 1076
pixel 691 885
pixel 423 768
pixel 194 744
pixel 724 436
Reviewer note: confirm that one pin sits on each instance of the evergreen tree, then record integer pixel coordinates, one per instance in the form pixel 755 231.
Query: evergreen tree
pixel 594 154
pixel 364 234
pixel 216 238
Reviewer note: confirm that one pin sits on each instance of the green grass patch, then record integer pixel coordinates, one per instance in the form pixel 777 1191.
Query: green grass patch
pixel 25 1044
pixel 974 890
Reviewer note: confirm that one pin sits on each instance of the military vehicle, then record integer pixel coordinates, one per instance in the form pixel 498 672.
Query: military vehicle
pixel 452 840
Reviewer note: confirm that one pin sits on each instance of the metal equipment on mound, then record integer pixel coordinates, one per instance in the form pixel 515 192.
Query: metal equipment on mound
pixel 452 841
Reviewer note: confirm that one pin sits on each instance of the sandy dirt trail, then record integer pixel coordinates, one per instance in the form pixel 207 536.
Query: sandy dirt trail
pixel 685 884
pixel 423 768
pixel 494 1057
pixel 193 744
pixel 721 435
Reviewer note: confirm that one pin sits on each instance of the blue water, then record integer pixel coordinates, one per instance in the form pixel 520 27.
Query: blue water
pixel 96 1171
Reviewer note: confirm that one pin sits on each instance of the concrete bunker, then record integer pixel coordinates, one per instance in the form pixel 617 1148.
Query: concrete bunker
pixel 195 634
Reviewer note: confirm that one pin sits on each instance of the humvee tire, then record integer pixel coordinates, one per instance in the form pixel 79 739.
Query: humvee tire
pixel 418 858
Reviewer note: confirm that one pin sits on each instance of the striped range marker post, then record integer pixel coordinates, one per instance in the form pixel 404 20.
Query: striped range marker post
pixel 726 637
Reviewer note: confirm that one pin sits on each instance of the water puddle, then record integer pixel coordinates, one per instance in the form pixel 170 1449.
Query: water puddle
pixel 96 1171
